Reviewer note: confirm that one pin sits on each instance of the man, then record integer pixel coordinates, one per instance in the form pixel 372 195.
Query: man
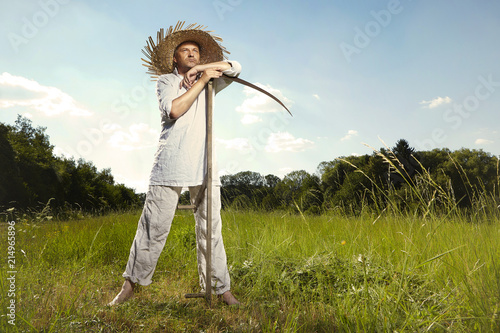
pixel 183 60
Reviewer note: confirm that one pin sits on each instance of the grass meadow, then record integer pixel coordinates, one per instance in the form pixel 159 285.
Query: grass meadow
pixel 292 273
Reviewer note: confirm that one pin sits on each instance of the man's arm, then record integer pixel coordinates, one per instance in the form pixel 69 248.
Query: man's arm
pixel 191 75
pixel 182 103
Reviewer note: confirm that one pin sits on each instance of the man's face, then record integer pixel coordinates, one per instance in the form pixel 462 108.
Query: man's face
pixel 187 56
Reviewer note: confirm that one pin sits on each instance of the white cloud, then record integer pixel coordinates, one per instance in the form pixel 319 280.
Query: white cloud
pixel 140 185
pixel 50 101
pixel 483 142
pixel 349 135
pixel 139 136
pixel 239 144
pixel 316 96
pixel 284 141
pixel 436 102
pixel 257 102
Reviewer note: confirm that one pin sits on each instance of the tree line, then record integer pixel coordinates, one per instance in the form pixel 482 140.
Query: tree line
pixel 400 178
pixel 31 175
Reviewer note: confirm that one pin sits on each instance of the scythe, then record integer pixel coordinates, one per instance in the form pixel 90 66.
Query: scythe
pixel 248 84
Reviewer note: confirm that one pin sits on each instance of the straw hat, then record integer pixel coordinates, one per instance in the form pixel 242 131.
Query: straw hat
pixel 160 57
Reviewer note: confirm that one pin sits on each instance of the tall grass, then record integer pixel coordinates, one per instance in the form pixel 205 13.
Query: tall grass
pixel 293 273
pixel 423 196
pixel 397 271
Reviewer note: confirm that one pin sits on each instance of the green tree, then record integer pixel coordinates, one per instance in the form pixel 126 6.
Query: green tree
pixel 471 172
pixel 272 180
pixel 247 187
pixel 32 175
pixel 406 164
pixel 35 161
pixel 300 189
pixel 11 184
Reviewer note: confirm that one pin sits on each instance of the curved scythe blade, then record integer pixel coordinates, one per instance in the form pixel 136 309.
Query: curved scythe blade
pixel 246 83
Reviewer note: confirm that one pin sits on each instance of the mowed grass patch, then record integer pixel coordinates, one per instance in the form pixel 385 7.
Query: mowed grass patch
pixel 291 272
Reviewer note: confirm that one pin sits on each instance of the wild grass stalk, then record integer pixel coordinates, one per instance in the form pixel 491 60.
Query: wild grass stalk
pixel 374 272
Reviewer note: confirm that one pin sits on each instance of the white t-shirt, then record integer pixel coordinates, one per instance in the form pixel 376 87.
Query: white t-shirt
pixel 180 158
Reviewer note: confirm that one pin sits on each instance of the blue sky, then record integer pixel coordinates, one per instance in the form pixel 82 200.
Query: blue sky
pixel 355 74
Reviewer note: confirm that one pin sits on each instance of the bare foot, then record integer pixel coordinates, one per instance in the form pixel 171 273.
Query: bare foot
pixel 126 292
pixel 229 299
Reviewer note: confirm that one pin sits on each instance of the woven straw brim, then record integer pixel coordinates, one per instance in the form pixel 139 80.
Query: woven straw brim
pixel 160 56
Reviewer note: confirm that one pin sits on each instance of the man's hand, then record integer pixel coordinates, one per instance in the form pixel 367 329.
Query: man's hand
pixel 211 73
pixel 190 78
pixel 194 73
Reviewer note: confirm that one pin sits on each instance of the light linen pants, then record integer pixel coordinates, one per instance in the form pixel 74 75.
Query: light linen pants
pixel 154 226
